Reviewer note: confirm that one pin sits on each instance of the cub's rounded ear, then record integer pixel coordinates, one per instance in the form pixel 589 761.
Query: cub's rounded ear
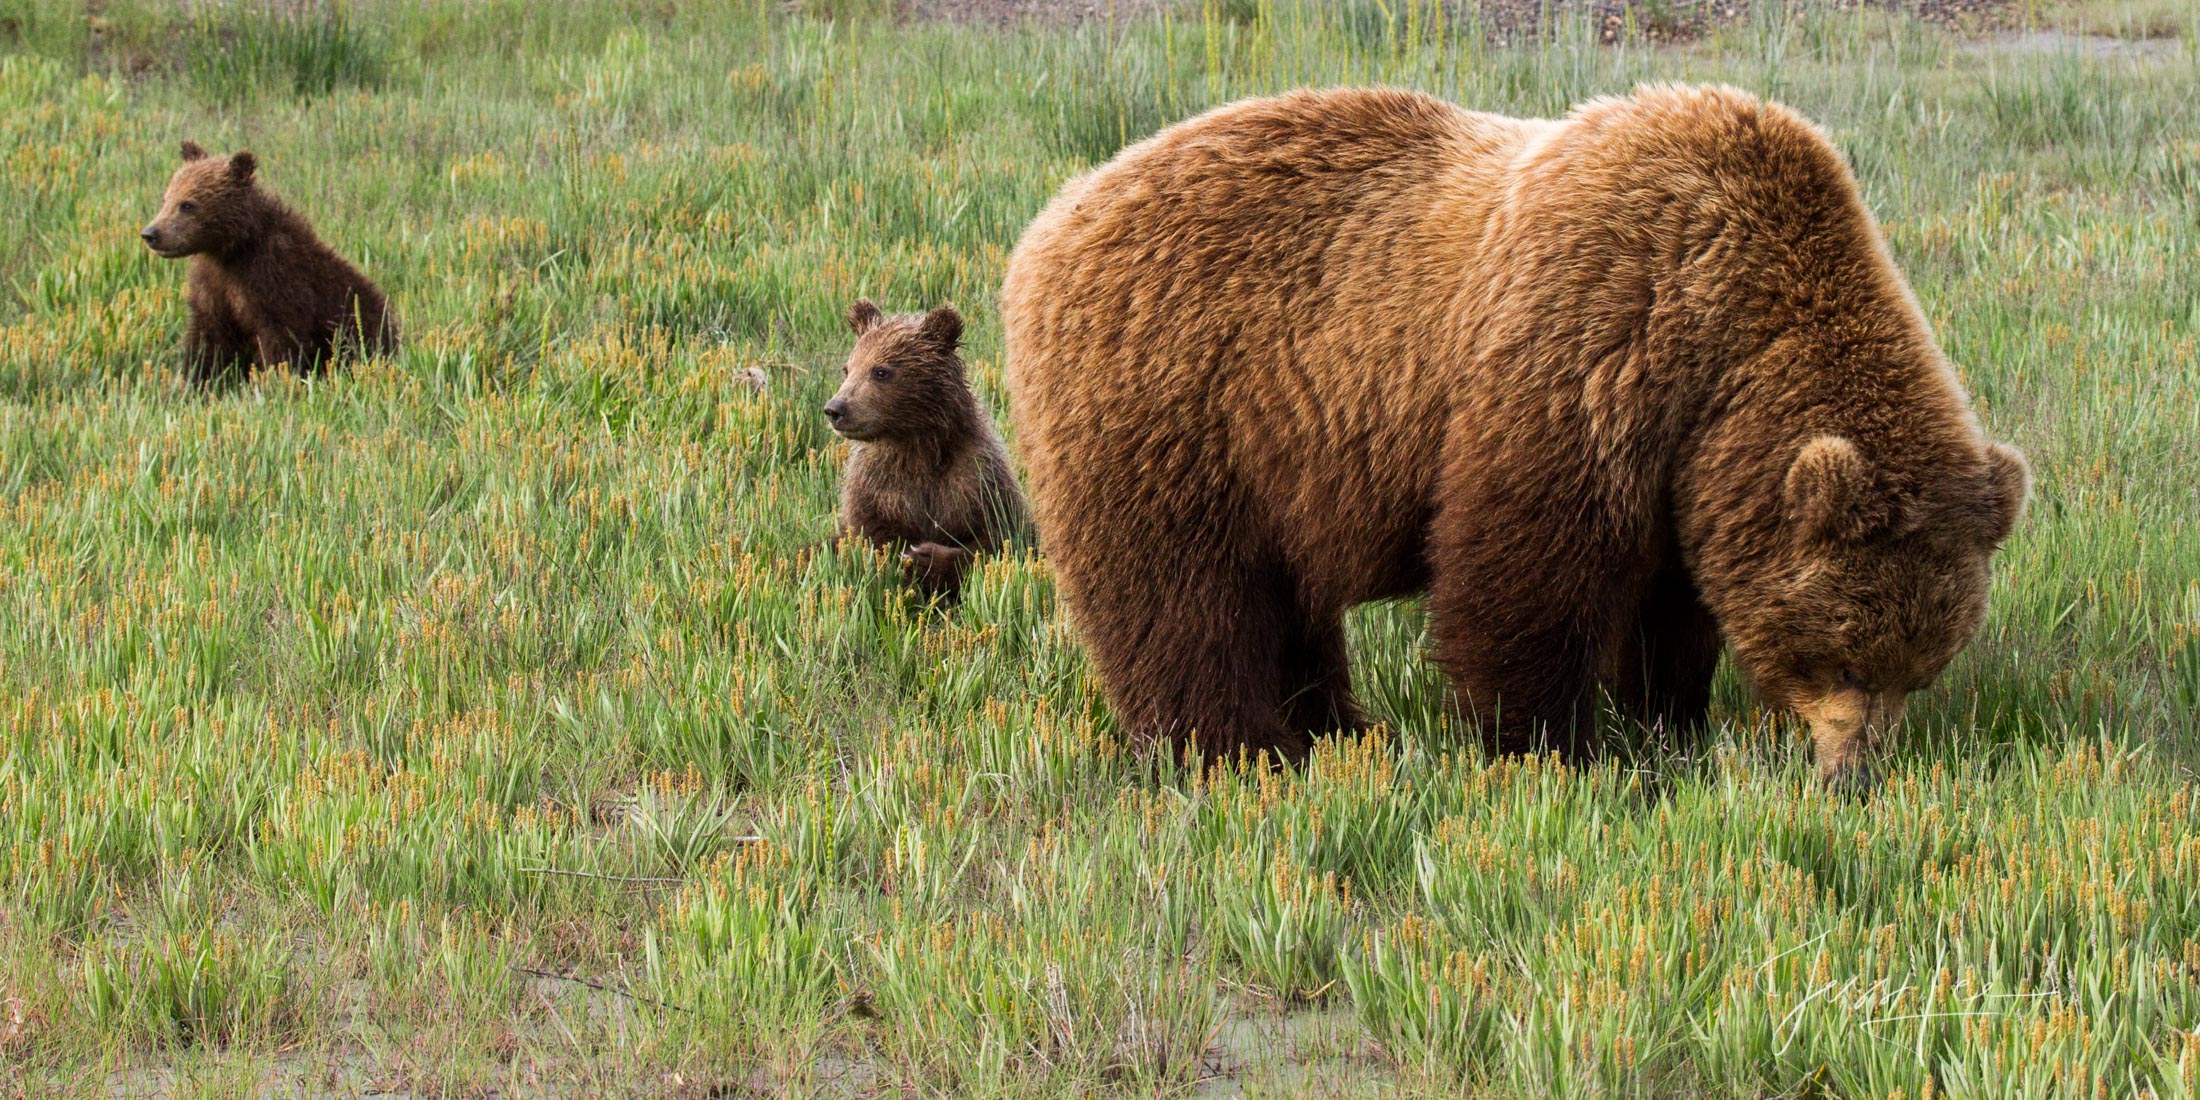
pixel 2008 486
pixel 191 151
pixel 943 327
pixel 863 316
pixel 1827 487
pixel 242 164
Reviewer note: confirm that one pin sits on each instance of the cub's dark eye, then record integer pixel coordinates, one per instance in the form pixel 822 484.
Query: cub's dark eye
pixel 188 207
pixel 1849 679
pixel 882 374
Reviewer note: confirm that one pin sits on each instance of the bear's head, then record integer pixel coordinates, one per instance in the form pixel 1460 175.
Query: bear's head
pixel 904 379
pixel 209 205
pixel 1872 586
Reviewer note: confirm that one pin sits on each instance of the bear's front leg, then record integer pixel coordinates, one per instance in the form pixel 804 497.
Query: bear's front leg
pixel 1318 677
pixel 1530 685
pixel 1190 644
pixel 935 568
pixel 1662 670
pixel 1534 579
pixel 214 347
pixel 274 344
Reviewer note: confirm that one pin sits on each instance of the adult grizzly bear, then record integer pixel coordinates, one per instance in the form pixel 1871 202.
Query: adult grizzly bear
pixel 263 288
pixel 1607 388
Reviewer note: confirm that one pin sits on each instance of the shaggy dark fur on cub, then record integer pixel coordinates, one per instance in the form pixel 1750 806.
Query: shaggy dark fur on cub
pixel 264 289
pixel 927 471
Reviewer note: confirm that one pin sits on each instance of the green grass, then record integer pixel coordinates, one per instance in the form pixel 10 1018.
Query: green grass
pixel 306 690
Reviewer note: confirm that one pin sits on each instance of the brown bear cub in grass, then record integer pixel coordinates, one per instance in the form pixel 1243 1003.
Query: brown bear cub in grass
pixel 1617 391
pixel 927 471
pixel 263 288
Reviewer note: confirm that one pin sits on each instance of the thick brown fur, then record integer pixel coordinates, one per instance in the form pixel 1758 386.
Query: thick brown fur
pixel 1608 388
pixel 263 288
pixel 926 471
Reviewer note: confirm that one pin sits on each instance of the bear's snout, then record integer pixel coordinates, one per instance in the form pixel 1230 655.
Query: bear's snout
pixel 835 410
pixel 1846 727
pixel 1856 779
pixel 163 244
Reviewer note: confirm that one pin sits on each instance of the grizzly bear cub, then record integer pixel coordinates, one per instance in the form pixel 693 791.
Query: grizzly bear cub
pixel 263 288
pixel 927 471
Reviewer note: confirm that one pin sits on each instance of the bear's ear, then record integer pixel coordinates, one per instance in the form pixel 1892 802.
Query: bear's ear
pixel 242 164
pixel 1826 490
pixel 863 316
pixel 2008 484
pixel 943 327
pixel 191 151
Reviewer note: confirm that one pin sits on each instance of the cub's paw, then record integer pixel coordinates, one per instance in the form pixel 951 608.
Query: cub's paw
pixel 935 568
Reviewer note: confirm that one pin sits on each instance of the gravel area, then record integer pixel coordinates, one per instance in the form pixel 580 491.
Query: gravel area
pixel 1682 20
pixel 1508 20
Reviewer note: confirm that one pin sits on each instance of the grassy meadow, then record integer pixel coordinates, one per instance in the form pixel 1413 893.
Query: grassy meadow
pixel 496 718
